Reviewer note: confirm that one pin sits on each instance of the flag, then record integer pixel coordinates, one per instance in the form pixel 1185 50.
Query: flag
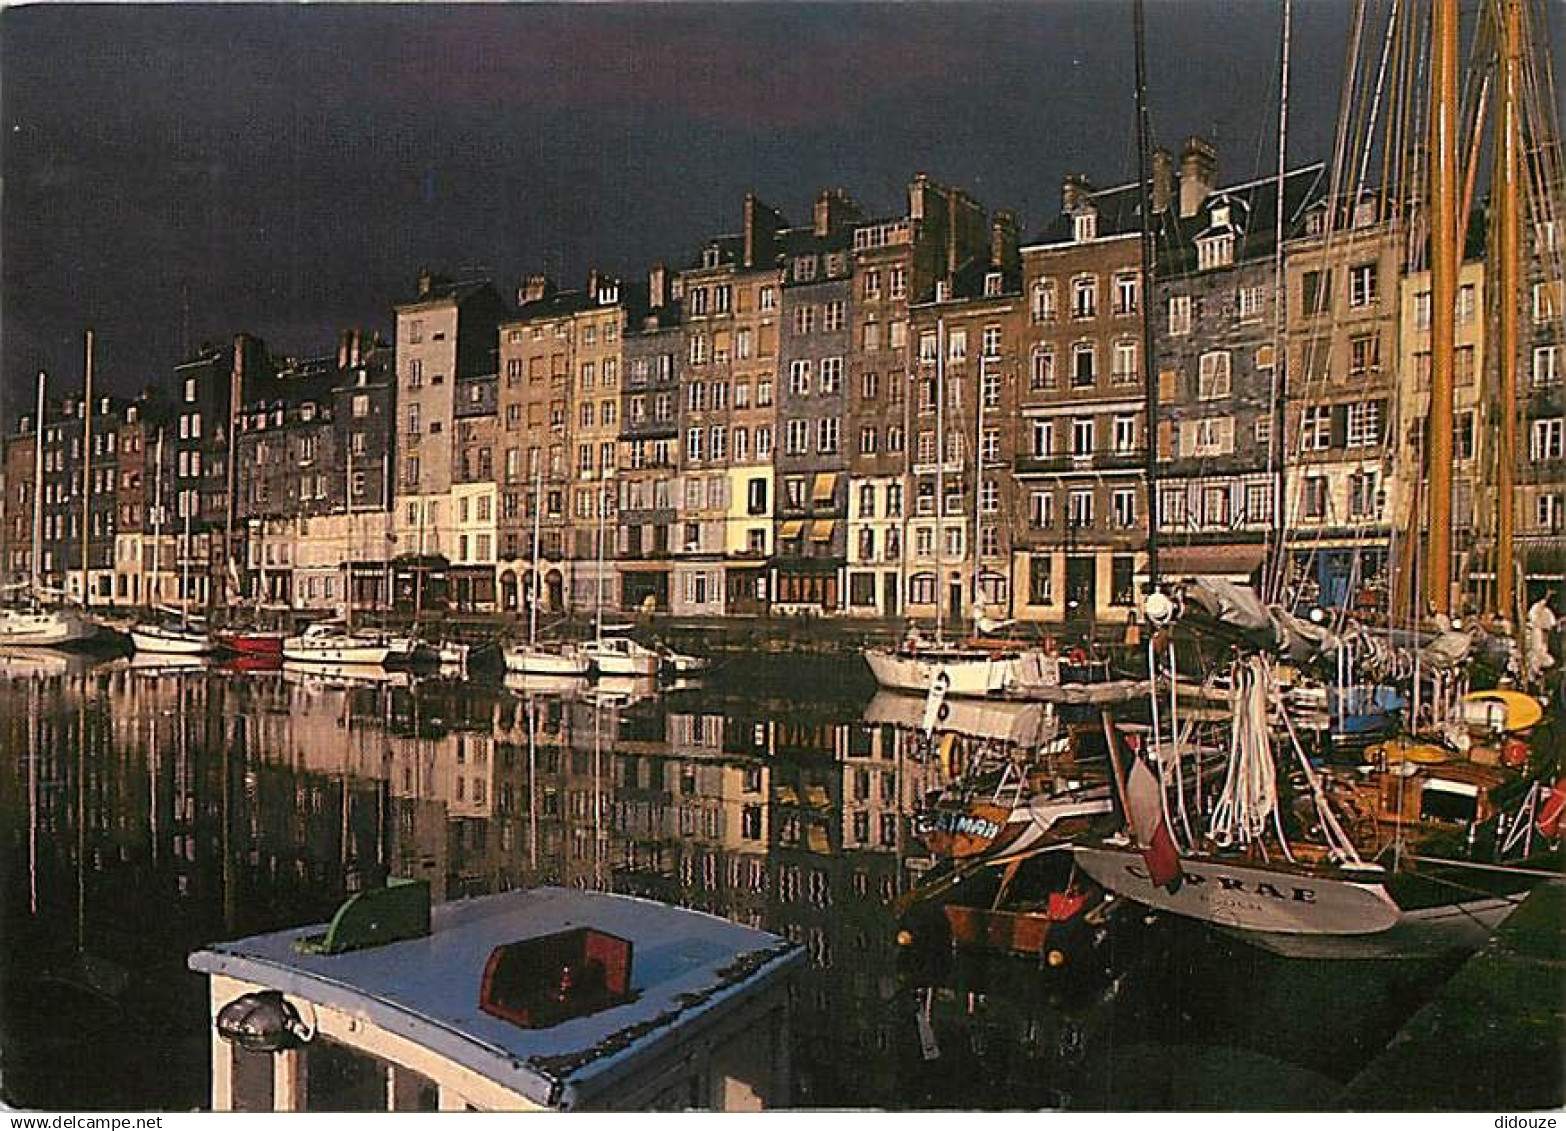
pixel 1145 811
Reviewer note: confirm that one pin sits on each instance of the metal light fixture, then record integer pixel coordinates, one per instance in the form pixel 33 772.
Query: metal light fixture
pixel 263 1021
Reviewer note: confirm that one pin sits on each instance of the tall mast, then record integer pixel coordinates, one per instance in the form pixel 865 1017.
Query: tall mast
pixel 38 473
pixel 87 475
pixel 236 392
pixel 184 570
pixel 1443 294
pixel 538 503
pixel 599 631
pixel 348 514
pixel 155 589
pixel 1507 162
pixel 1280 342
pixel 978 477
pixel 1144 142
pixel 940 473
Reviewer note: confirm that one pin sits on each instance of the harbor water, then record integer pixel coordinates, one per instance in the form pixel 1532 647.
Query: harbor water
pixel 150 809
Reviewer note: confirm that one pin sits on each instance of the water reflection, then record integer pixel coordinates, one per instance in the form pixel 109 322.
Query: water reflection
pixel 151 808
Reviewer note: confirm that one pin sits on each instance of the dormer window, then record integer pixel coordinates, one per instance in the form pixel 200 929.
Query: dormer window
pixel 992 284
pixel 608 294
pixel 307 412
pixel 1084 226
pixel 1315 223
pixel 1214 251
pixel 943 291
pixel 709 257
pixel 1220 216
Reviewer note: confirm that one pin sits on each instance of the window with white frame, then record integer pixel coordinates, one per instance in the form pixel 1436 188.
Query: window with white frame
pixel 1362 494
pixel 1043 438
pixel 1213 378
pixel 1042 369
pixel 833 317
pixel 1546 366
pixel 1548 512
pixel 1215 506
pixel 1084 226
pixel 1045 301
pixel 1179 315
pixel 1251 303
pixel 1316 428
pixel 1214 251
pixel 1124 371
pixel 1080 508
pixel 827 429
pixel 1545 438
pixel 1127 292
pixel 1172 507
pixel 1362 284
pixel 1084 296
pixel 1125 435
pixel 1258 502
pixel 1084 365
pixel 929 347
pixel 990 341
pixel 1082 436
pixel 989 496
pixel 1122 507
pixel 1041 510
pixel 1364 424
pixel 799 378
pixel 957 344
pixel 796 438
pixel 831 375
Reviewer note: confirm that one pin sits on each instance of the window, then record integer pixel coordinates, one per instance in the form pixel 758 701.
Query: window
pixel 1043 438
pixel 1042 509
pixel 805 320
pixel 929 347
pixel 1045 302
pixel 827 435
pixel 926 450
pixel 1213 380
pixel 1125 364
pixel 1084 226
pixel 897 333
pixel 872 283
pixel 872 336
pixel 1122 506
pixel 796 440
pixel 1084 296
pixel 1041 580
pixel 897 282
pixel 1362 494
pixel 1084 365
pixel 695 439
pixel 1208 436
pixel 1262 430
pixel 1547 512
pixel 831 375
pixel 989 446
pixel 699 349
pixel 1171 507
pixel 1316 428
pixel 1314 497
pixel 1422 310
pixel 1364 353
pixel 1127 288
pixel 1364 424
pixel 1317 288
pixel 1080 512
pixel 1042 373
pixel 1082 437
pixel 833 318
pixel 1545 440
pixel 1214 251
pixel 722 298
pixel 1258 502
pixel 894 439
pixel 1215 506
pixel 1467 303
pixel 799 378
pixel 717 440
pixel 1179 315
pixel 921 588
pixel 1252 303
pixel 763 393
pixel 1362 284
pixel 1547 301
pixel 991 341
pixel 1546 366
pixel 1125 435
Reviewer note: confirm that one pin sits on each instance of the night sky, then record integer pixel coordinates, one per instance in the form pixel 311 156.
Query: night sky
pixel 174 174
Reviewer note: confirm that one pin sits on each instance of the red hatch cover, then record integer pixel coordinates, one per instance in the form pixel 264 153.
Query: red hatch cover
pixel 536 983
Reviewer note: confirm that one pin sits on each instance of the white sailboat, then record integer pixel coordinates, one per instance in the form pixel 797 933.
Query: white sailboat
pixel 532 658
pixel 163 637
pixel 616 653
pixel 34 625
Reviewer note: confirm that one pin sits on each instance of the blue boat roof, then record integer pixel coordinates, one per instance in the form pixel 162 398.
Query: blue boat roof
pixel 688 968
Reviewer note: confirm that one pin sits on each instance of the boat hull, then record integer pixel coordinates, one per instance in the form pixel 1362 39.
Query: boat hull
pixel 1246 898
pixel 615 664
pixel 169 642
pixel 541 661
pixel 364 655
pixel 967 676
pixel 52 629
pixel 252 643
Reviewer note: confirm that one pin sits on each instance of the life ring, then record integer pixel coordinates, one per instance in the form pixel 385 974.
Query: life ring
pixel 1514 753
pixel 1077 656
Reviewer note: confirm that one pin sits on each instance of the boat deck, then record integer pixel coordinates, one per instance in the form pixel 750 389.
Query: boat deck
pixel 688 968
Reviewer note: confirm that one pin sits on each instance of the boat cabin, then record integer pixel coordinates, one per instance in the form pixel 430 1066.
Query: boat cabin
pixel 541 999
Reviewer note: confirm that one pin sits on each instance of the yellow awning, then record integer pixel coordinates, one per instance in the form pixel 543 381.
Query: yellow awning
pixel 793 528
pixel 821 530
pixel 826 485
pixel 817 841
pixel 817 796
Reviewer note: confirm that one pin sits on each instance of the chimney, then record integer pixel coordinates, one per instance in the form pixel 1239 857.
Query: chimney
pixel 535 288
pixel 1005 241
pixel 344 343
pixel 1072 191
pixel 592 285
pixel 355 350
pixel 426 283
pixel 658 286
pixel 835 210
pixel 762 224
pixel 1198 173
pixel 1163 179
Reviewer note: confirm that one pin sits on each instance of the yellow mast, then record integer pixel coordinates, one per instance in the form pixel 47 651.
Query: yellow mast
pixel 1507 161
pixel 1443 295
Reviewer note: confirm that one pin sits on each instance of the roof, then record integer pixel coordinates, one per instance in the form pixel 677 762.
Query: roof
pixel 688 968
pixel 1253 218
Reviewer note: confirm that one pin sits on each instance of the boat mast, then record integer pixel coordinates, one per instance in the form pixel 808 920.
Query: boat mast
pixel 1144 141
pixel 156 588
pixel 538 502
pixel 184 572
pixel 940 474
pixel 348 514
pixel 978 477
pixel 236 388
pixel 87 474
pixel 1443 293
pixel 599 630
pixel 1507 162
pixel 38 472
pixel 1280 342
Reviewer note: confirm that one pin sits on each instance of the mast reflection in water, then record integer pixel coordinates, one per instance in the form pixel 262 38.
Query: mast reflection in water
pixel 151 810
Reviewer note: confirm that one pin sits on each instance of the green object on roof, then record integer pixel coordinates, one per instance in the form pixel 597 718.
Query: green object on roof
pixel 375 917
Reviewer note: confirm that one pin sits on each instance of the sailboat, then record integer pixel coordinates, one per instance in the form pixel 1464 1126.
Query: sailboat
pixel 616 653
pixel 32 624
pixel 533 658
pixel 252 640
pixel 165 636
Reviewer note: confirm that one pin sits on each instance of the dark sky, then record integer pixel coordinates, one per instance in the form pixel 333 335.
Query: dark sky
pixel 173 174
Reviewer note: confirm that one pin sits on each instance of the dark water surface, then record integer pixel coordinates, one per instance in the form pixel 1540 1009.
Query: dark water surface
pixel 146 812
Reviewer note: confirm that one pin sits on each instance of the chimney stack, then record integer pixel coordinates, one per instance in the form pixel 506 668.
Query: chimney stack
pixel 592 285
pixel 658 286
pixel 1005 241
pixel 426 282
pixel 834 210
pixel 1198 173
pixel 1163 179
pixel 535 288
pixel 762 224
pixel 1072 192
pixel 355 350
pixel 344 343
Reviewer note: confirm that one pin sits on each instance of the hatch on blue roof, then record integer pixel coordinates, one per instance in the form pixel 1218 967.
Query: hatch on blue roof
pixel 539 982
pixel 375 917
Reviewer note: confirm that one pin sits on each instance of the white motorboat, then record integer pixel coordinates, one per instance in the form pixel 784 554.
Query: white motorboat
pixel 966 672
pixel 539 659
pixel 621 655
pixel 170 639
pixel 333 644
pixel 44 628
pixel 681 664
